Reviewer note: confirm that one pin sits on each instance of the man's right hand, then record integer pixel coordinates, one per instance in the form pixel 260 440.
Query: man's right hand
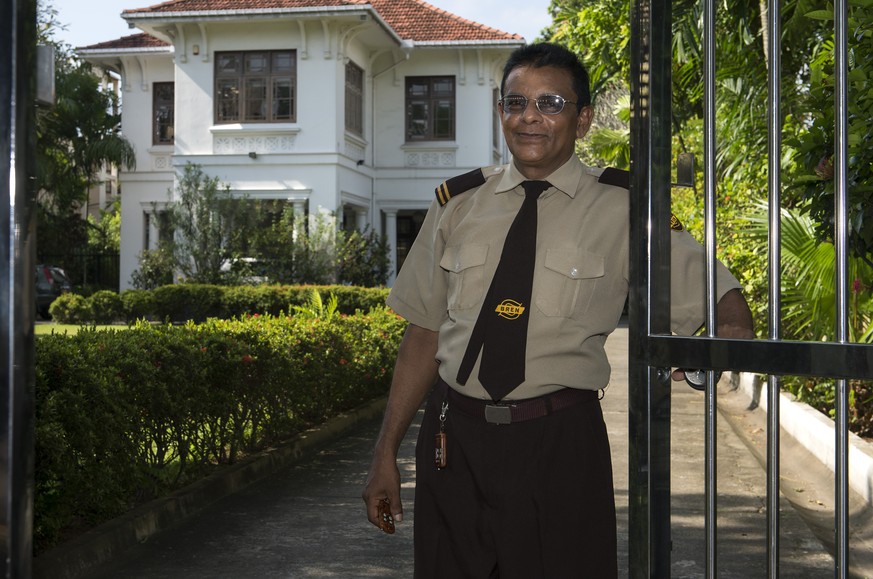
pixel 414 375
pixel 383 483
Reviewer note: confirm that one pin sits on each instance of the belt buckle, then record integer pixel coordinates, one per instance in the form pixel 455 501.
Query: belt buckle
pixel 498 414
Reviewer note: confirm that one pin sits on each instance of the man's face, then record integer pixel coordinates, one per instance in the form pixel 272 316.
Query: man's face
pixel 541 143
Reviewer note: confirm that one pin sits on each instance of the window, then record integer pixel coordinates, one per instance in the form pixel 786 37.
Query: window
pixel 255 87
pixel 354 99
pixel 163 113
pixel 430 108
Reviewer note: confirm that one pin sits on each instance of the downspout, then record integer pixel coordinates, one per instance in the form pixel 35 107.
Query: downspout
pixel 406 46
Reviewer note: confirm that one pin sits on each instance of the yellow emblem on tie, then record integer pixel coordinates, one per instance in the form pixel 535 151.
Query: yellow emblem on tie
pixel 509 309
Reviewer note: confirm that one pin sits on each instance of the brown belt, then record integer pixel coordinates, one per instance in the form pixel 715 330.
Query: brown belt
pixel 517 410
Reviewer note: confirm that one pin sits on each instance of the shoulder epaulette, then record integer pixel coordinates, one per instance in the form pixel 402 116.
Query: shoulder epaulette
pixel 621 178
pixel 459 184
pixel 615 177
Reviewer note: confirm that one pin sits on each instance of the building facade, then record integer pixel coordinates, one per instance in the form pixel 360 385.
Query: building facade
pixel 351 107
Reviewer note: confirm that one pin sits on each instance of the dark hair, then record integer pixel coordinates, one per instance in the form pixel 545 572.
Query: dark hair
pixel 547 54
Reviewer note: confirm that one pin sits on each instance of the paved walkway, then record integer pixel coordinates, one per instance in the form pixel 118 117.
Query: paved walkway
pixel 308 520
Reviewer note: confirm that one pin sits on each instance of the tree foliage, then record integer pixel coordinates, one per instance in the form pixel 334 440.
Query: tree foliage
pixel 202 216
pixel 816 145
pixel 210 237
pixel 806 121
pixel 76 137
pixel 104 233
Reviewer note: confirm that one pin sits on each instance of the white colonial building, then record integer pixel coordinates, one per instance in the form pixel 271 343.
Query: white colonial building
pixel 356 107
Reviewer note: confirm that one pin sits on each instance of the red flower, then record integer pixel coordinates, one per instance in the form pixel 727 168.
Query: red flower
pixel 247 359
pixel 825 169
pixel 856 286
pixel 343 362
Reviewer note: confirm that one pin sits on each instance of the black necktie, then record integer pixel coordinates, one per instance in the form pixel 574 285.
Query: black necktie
pixel 501 329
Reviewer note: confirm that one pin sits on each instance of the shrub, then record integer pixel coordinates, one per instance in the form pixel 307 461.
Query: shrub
pixel 138 305
pixel 183 302
pixel 106 307
pixel 71 308
pixel 155 269
pixel 126 416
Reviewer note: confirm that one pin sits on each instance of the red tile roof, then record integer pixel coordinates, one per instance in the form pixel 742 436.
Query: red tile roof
pixel 422 22
pixel 411 19
pixel 141 40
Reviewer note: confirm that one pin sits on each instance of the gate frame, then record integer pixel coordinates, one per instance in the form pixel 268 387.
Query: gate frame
pixel 17 307
pixel 653 350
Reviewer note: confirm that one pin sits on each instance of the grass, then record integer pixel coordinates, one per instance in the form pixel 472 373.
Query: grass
pixel 72 329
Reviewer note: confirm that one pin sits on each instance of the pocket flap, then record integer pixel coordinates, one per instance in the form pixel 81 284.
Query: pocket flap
pixel 461 257
pixel 575 263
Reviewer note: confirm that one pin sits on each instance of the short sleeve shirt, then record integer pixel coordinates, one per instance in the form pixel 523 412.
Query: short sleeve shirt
pixel 580 280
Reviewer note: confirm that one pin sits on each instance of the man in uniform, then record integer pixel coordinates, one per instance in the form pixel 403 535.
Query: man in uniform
pixel 517 277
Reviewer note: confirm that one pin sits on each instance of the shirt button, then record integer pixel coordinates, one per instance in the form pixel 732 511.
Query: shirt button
pixel 574 272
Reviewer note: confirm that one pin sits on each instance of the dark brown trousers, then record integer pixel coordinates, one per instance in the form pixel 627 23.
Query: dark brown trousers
pixel 527 500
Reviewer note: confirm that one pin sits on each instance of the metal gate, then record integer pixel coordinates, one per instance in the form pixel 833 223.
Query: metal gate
pixel 18 68
pixel 653 351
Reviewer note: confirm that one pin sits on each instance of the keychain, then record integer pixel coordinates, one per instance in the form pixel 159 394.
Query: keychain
pixel 439 457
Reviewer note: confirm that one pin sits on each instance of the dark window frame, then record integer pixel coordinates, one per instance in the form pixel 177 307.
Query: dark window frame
pixel 354 105
pixel 163 113
pixel 430 108
pixel 255 86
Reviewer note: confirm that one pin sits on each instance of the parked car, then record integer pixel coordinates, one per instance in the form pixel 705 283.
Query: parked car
pixel 51 281
pixel 247 270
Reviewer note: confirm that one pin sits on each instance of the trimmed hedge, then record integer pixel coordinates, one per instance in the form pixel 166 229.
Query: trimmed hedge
pixel 126 416
pixel 180 303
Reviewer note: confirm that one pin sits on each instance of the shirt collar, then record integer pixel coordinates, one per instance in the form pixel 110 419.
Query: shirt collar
pixel 565 178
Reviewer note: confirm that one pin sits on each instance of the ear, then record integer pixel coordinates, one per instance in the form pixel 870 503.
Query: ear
pixel 583 121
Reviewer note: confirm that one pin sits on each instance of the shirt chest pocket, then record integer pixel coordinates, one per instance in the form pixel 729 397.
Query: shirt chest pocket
pixel 567 281
pixel 465 266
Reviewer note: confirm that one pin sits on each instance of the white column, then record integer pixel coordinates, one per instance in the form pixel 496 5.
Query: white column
pixel 102 193
pixel 391 234
pixel 360 219
pixel 299 211
pixel 153 231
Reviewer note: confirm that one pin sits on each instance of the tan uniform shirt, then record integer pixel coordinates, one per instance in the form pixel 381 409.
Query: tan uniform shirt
pixel 580 281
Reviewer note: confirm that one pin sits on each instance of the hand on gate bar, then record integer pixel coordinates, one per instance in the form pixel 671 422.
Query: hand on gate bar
pixel 695 378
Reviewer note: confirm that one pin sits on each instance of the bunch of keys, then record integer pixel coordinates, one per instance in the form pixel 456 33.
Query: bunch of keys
pixel 439 456
pixel 386 520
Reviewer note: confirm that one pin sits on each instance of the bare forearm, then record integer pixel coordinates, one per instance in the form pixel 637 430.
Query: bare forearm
pixel 734 317
pixel 414 375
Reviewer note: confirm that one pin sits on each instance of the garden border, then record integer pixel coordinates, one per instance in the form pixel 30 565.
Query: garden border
pixel 815 432
pixel 97 546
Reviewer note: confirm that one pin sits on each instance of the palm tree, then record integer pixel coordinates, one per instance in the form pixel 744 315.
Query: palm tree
pixel 808 281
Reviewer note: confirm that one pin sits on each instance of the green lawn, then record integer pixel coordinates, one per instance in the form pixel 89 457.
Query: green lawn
pixel 44 329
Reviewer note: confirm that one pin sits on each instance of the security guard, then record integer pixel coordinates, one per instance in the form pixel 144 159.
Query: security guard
pixel 517 277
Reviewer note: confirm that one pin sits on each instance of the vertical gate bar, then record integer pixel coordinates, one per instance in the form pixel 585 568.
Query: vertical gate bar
pixel 639 516
pixel 648 307
pixel 841 464
pixel 17 306
pixel 774 72
pixel 709 185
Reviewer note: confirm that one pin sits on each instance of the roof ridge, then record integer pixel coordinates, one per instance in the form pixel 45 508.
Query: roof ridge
pixel 416 20
pixel 460 18
pixel 138 40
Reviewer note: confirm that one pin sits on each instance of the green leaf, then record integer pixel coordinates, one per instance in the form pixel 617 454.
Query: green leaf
pixel 820 15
